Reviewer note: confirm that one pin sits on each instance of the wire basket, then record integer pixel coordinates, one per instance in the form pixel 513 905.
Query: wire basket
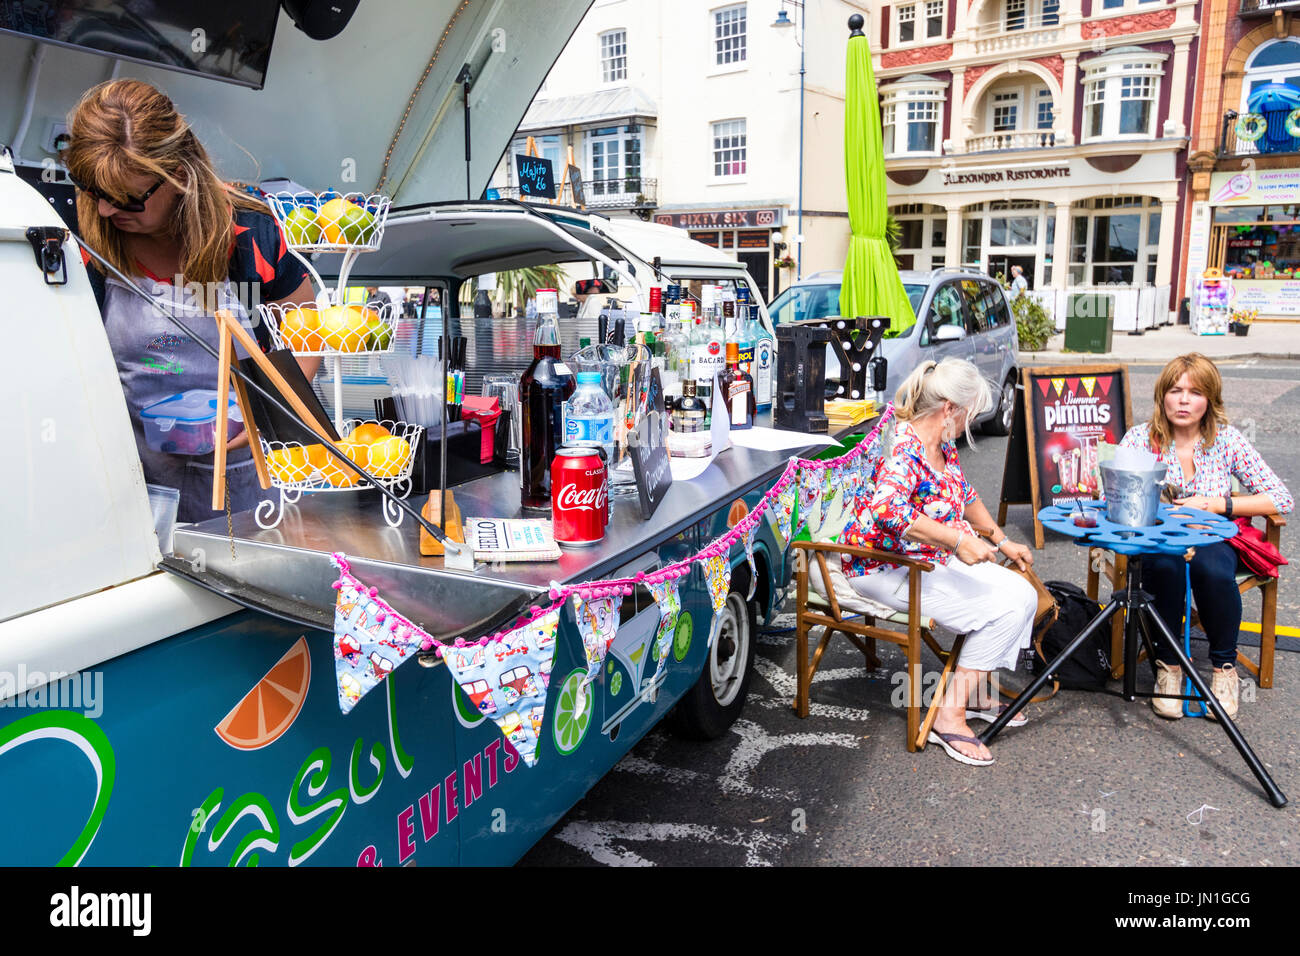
pixel 296 469
pixel 338 330
pixel 331 221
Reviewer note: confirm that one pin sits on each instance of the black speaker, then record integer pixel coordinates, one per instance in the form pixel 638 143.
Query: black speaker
pixel 320 19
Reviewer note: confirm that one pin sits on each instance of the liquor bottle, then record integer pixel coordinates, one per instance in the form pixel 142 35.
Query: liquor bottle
pixel 737 388
pixel 762 367
pixel 545 386
pixel 707 355
pixel 744 330
pixel 689 413
pixel 728 315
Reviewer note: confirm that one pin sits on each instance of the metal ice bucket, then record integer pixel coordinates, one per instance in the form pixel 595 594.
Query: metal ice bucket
pixel 1133 497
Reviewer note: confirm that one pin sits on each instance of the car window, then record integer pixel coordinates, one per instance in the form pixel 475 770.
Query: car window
pixel 945 309
pixel 805 302
pixel 915 293
pixel 1001 315
pixel 977 306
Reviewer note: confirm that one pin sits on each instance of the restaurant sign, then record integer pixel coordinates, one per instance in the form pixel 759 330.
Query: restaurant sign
pixel 1255 187
pixel 1010 174
pixel 723 219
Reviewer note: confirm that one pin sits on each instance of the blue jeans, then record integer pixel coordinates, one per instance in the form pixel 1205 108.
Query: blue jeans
pixel 1214 589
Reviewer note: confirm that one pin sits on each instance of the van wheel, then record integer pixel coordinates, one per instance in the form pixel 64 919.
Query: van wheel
pixel 1000 423
pixel 715 702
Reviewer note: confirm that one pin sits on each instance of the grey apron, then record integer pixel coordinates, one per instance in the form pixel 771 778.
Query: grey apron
pixel 155 360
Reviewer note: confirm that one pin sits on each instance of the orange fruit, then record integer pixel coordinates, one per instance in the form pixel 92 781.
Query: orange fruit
pixel 369 432
pixel 388 456
pixel 300 330
pixel 271 707
pixel 340 475
pixel 288 464
pixel 317 457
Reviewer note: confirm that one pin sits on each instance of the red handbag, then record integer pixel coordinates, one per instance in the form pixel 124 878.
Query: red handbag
pixel 1255 552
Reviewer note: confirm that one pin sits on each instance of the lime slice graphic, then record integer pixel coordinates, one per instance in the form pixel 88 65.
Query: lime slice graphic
pixel 682 636
pixel 1056 489
pixel 571 723
pixel 615 684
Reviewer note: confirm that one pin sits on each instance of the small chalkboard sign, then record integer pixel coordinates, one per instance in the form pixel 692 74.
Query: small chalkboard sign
pixel 575 183
pixel 650 453
pixel 536 176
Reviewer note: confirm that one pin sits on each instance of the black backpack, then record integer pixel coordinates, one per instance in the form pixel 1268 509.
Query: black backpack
pixel 1089 667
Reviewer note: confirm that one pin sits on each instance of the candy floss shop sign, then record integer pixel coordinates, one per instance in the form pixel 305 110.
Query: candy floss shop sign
pixel 1255 187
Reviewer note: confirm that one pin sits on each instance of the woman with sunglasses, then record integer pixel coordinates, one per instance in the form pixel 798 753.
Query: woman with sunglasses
pixel 150 202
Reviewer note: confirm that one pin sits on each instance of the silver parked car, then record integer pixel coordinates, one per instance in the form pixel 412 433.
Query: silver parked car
pixel 961 314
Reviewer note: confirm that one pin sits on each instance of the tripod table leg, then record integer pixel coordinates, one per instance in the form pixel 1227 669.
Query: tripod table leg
pixel 1275 796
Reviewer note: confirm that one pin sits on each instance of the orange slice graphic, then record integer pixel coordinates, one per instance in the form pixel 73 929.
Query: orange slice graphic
pixel 271 707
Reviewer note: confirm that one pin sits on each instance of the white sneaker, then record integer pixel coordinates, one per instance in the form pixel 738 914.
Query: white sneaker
pixel 1226 686
pixel 1169 680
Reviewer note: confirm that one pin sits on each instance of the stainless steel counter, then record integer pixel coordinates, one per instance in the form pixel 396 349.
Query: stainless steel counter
pixel 286 570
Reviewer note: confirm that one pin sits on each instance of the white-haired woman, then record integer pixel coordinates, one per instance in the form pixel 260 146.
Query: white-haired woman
pixel 923 507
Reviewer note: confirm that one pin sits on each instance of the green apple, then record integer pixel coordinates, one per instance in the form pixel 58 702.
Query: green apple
pixel 378 334
pixel 301 226
pixel 356 225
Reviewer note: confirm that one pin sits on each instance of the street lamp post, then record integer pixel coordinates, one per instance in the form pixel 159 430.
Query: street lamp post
pixel 783 21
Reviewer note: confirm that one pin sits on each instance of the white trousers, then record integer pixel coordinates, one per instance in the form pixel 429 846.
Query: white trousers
pixel 992 605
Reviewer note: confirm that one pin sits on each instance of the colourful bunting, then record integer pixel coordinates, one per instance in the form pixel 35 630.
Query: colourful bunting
pixel 370 639
pixel 670 607
pixel 598 626
pixel 747 538
pixel 810 497
pixel 507 679
pixel 785 509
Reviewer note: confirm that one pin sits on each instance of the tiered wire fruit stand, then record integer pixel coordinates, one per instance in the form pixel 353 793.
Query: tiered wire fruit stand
pixel 348 224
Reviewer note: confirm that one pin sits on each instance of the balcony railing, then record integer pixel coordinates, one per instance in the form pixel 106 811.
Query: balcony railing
pixel 1020 33
pixel 627 193
pixel 1267 138
pixel 1016 139
pixel 1265 8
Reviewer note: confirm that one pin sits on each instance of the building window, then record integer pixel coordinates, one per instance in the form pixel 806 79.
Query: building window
pixel 1044 107
pixel 729 35
pixel 907 23
pixel 729 148
pixel 1005 107
pixel 934 18
pixel 1030 14
pixel 1120 93
pixel 1115 239
pixel 613 56
pixel 1051 12
pixel 1016 14
pixel 912 115
pixel 614 160
pixel 1274 62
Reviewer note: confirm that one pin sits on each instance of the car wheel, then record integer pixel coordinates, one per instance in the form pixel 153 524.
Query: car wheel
pixel 1000 423
pixel 715 702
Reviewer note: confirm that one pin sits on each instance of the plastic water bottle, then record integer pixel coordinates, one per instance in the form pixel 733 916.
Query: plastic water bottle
pixel 589 416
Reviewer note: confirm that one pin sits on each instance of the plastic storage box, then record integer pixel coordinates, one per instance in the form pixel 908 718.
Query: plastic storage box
pixel 185 423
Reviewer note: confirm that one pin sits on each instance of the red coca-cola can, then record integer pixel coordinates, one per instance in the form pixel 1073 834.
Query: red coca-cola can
pixel 579 496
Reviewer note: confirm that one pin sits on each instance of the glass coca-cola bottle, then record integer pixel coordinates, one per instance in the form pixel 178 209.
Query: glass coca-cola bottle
pixel 543 389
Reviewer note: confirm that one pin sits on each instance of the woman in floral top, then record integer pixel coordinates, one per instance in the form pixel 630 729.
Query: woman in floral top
pixel 1189 431
pixel 923 507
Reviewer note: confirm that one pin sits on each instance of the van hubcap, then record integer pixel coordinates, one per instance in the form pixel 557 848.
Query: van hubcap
pixel 730 651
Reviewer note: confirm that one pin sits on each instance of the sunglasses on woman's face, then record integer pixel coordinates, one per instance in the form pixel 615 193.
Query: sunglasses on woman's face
pixel 131 204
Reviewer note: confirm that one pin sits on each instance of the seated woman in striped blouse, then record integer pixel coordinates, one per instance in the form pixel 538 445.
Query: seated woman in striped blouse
pixel 1189 431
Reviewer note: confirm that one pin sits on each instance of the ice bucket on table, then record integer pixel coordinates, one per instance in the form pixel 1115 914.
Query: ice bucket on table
pixel 1133 496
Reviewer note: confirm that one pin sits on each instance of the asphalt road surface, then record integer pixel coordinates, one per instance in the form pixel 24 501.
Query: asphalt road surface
pixel 1091 780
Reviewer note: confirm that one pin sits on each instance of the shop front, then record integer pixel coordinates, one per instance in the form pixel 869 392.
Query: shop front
pixel 751 235
pixel 1250 232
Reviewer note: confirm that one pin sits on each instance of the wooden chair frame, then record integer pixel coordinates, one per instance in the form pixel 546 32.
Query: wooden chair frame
pixel 864 633
pixel 1262 670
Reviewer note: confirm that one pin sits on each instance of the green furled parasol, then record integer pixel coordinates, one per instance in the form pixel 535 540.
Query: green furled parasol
pixel 871 284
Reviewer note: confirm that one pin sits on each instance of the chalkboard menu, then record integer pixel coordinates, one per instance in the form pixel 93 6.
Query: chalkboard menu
pixel 1052 455
pixel 649 451
pixel 575 181
pixel 536 176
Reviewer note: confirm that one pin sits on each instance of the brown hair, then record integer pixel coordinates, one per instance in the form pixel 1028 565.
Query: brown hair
pixel 126 128
pixel 1205 378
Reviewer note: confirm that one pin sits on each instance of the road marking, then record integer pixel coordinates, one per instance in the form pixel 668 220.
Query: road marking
pixel 648 768
pixel 598 839
pixel 756 743
pixel 815 709
pixel 1281 630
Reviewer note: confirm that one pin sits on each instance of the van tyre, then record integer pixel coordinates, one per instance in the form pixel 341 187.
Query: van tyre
pixel 710 707
pixel 1000 423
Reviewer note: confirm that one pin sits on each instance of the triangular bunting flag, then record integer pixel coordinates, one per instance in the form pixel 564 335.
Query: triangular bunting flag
pixel 785 510
pixel 670 606
pixel 370 639
pixel 1103 382
pixel 810 497
pixel 1042 386
pixel 1058 384
pixel 1088 385
pixel 717 574
pixel 1073 383
pixel 598 626
pixel 507 679
pixel 747 539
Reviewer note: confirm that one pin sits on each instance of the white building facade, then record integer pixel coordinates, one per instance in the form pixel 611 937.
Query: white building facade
pixel 1049 134
pixel 687 112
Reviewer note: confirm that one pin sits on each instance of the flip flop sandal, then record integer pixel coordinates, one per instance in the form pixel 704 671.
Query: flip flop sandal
pixel 944 741
pixel 988 716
